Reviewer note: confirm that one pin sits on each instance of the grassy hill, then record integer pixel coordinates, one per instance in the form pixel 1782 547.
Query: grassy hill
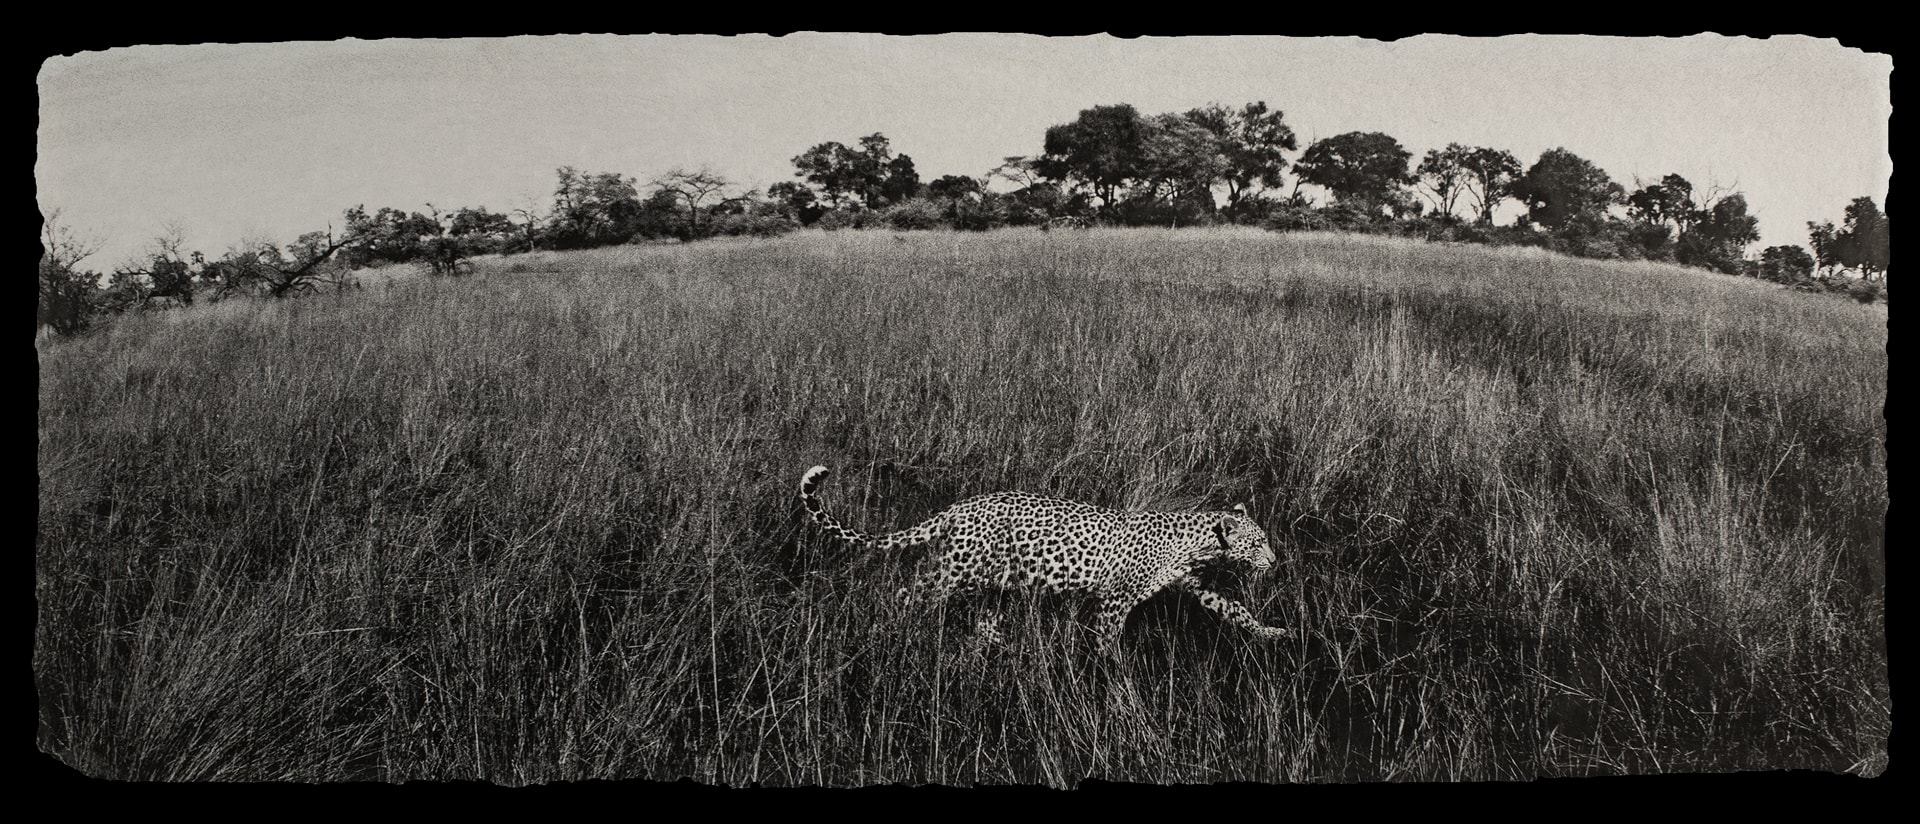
pixel 1535 516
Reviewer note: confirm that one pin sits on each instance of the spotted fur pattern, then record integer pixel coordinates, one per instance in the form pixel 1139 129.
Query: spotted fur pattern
pixel 1013 540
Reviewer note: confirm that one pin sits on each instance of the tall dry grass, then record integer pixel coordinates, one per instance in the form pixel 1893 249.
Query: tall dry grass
pixel 1536 516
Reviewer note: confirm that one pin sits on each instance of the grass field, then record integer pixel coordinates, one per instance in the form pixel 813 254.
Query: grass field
pixel 1535 516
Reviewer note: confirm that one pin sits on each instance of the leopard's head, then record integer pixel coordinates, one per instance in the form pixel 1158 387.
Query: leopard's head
pixel 1243 540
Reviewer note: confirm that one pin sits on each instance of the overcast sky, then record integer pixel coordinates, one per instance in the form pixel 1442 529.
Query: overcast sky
pixel 277 139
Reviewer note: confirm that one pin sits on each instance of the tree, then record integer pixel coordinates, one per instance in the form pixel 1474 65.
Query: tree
pixel 1250 142
pixel 258 264
pixel 1022 172
pixel 1825 240
pixel 1786 264
pixel 461 234
pixel 796 201
pixel 1711 229
pixel 870 173
pixel 832 168
pixel 662 214
pixel 1667 203
pixel 1180 161
pixel 691 187
pixel 954 187
pixel 980 211
pixel 531 216
pixel 752 215
pixel 1101 149
pixel 477 222
pixel 1406 204
pixel 1444 174
pixel 1720 235
pixel 162 271
pixel 389 235
pixel 1864 239
pixel 871 165
pixel 1035 199
pixel 901 183
pixel 1365 170
pixel 958 195
pixel 67 293
pixel 1564 191
pixel 592 209
pixel 1491 176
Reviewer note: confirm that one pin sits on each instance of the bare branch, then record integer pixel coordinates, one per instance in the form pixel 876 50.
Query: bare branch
pixel 62 245
pixel 692 187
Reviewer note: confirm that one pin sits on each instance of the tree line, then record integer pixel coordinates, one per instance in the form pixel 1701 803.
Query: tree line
pixel 1110 165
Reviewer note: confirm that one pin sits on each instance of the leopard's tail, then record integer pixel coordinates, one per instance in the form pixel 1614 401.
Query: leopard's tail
pixel 922 533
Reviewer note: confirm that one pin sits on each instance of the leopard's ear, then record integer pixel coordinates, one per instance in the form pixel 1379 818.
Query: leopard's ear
pixel 1240 508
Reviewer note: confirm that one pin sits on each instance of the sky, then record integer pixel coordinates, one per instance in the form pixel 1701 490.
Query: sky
pixel 240 141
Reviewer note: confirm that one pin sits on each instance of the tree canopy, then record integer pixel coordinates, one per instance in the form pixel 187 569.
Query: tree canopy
pixel 1361 169
pixel 691 187
pixel 1111 162
pixel 1102 149
pixel 1786 264
pixel 1864 240
pixel 1251 142
pixel 870 175
pixel 1562 189
pixel 1492 174
pixel 592 209
pixel 1667 203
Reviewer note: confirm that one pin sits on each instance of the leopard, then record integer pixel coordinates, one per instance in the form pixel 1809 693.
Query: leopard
pixel 1022 540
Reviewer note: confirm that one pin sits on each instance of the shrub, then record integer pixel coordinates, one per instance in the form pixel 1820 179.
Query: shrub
pixel 917 213
pixel 1696 249
pixel 1349 218
pixel 1598 247
pixel 1865 291
pixel 752 225
pixel 1504 235
pixel 852 218
pixel 1291 218
pixel 1431 228
pixel 1152 211
pixel 834 220
pixel 1653 242
pixel 989 212
pixel 1598 238
pixel 1254 211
